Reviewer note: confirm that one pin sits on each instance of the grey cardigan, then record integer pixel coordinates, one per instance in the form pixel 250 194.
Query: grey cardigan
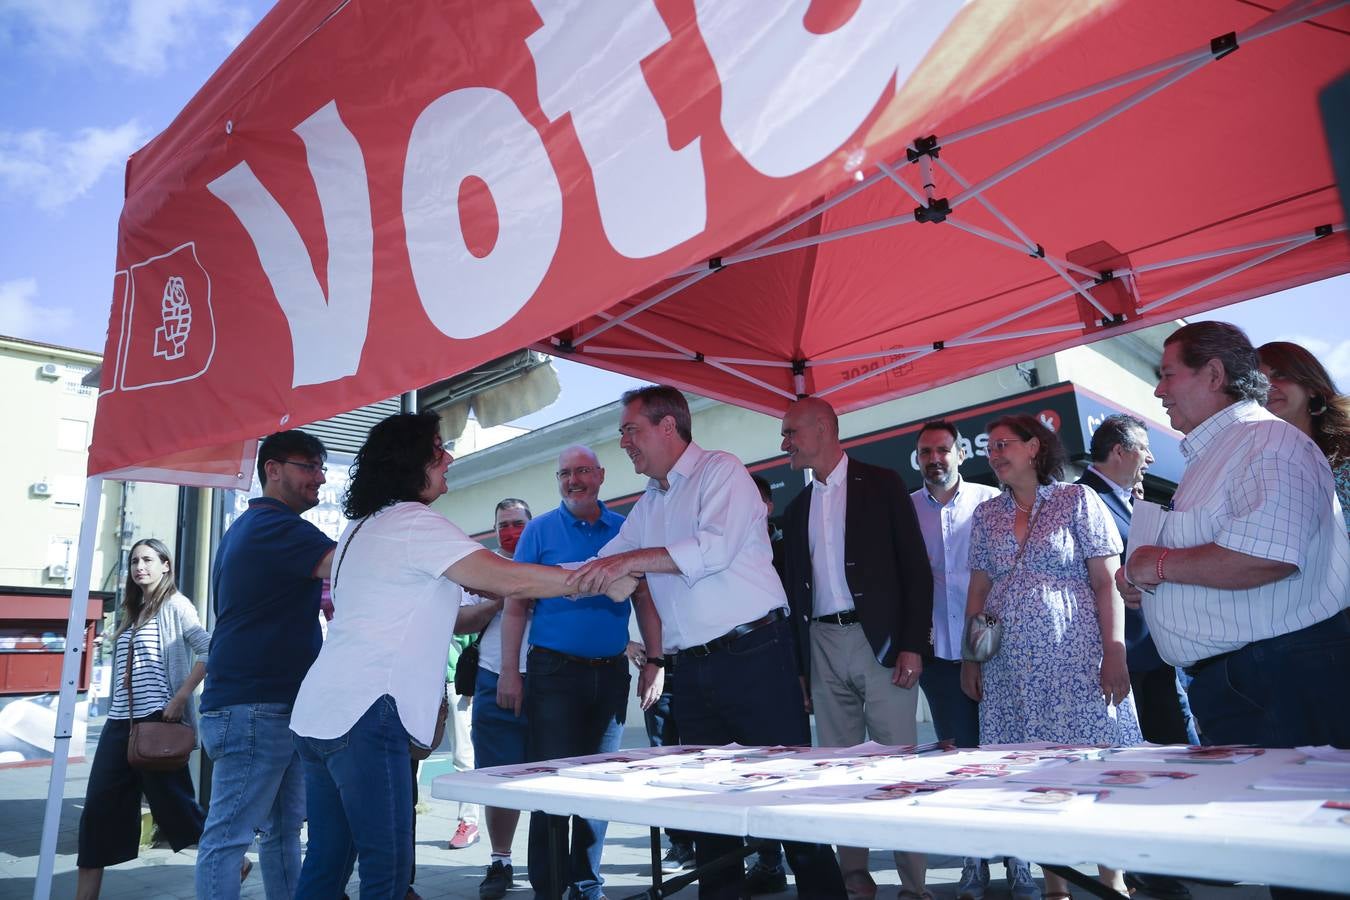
pixel 181 637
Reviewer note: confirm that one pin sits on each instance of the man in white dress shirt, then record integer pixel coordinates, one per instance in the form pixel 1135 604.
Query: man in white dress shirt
pixel 1250 575
pixel 945 506
pixel 698 534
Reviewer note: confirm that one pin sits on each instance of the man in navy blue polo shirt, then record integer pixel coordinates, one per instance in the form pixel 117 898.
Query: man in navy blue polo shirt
pixel 576 693
pixel 268 575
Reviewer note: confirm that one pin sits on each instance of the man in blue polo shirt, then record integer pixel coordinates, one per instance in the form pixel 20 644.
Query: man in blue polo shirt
pixel 268 575
pixel 576 693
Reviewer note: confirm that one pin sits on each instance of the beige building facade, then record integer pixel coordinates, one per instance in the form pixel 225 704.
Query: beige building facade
pixel 42 474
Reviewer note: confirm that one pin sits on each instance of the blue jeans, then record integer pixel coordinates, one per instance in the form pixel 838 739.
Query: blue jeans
pixel 1279 692
pixel 573 709
pixel 956 717
pixel 749 693
pixel 360 806
pixel 256 786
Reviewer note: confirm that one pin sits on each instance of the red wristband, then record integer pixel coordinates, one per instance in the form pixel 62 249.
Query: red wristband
pixel 1162 556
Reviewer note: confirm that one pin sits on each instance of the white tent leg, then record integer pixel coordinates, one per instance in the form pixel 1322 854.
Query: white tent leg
pixel 70 678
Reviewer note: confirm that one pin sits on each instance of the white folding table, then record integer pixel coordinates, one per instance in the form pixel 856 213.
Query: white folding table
pixel 1169 830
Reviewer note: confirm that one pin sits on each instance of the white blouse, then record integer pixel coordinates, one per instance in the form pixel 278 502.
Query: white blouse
pixel 393 617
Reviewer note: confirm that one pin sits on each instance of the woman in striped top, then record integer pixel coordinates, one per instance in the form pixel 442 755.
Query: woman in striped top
pixel 159 635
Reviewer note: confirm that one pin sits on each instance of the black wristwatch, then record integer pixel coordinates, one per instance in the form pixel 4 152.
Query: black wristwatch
pixel 658 661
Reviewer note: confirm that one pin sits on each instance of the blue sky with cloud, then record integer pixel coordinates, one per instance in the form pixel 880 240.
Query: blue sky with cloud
pixel 84 83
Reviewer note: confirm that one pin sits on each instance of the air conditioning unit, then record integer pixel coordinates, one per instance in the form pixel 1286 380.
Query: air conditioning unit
pixel 49 370
pixel 41 489
pixel 57 571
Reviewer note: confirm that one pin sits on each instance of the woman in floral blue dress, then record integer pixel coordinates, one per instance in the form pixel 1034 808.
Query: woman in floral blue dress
pixel 1043 558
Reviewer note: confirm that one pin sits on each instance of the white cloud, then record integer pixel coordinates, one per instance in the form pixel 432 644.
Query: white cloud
pixel 51 29
pixel 1335 356
pixel 143 36
pixel 53 171
pixel 22 316
pixel 156 29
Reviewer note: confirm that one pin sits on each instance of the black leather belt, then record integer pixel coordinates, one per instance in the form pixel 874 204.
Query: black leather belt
pixel 1201 665
pixel 847 617
pixel 721 643
pixel 593 662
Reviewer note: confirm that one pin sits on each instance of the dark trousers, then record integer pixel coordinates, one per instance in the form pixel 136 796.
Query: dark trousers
pixel 1161 704
pixel 1279 692
pixel 749 693
pixel 956 717
pixel 572 709
pixel 110 826
pixel 662 731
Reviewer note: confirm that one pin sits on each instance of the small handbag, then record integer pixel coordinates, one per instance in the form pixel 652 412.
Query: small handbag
pixel 416 750
pixel 155 746
pixel 983 637
pixel 984 631
pixel 466 668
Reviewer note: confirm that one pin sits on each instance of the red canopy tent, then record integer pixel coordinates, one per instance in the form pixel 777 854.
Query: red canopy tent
pixel 857 199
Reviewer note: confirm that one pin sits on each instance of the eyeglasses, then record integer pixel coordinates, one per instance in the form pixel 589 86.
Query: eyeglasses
pixel 582 471
pixel 311 468
pixel 1002 445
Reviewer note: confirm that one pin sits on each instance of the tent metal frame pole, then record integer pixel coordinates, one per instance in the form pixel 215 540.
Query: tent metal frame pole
pixel 71 666
pixel 1031 246
pixel 1226 273
pixel 696 275
pixel 1074 134
pixel 1274 22
pixel 658 354
pixel 882 370
pixel 1301 237
pixel 698 357
pixel 802 218
pixel 1187 63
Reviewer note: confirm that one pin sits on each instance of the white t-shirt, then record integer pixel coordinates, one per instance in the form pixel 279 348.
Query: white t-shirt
pixel 393 619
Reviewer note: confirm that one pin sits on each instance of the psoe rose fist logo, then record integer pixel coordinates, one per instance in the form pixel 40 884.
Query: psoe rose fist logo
pixel 176 312
pixel 168 331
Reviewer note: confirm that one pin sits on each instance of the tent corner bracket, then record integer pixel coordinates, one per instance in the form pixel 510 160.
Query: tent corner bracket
pixel 924 146
pixel 1322 231
pixel 936 211
pixel 1223 45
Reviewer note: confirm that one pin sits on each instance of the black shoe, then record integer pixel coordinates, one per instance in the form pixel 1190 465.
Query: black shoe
pixel 761 879
pixel 497 882
pixel 678 858
pixel 1162 887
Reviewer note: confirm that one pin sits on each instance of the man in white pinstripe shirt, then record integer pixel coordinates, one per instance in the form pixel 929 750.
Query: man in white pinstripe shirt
pixel 1248 585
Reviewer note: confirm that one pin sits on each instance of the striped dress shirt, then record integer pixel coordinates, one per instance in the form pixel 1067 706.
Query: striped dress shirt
pixel 1256 485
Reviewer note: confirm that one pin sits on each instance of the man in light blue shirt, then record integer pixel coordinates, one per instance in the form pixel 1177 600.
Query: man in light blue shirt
pixel 945 506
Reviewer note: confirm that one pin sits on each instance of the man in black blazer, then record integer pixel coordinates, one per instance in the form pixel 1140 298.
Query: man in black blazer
pixel 861 594
pixel 1120 454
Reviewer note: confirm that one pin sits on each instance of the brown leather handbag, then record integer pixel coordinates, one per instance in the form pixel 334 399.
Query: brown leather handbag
pixel 155 746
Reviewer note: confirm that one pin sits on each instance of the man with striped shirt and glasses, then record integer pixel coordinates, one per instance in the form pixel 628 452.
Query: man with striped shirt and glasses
pixel 1248 582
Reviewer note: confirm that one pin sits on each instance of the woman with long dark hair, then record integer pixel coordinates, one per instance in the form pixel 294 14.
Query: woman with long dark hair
pixel 158 637
pixel 380 677
pixel 1303 394
pixel 1043 558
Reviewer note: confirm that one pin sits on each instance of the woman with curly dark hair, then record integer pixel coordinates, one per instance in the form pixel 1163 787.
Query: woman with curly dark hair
pixel 1043 559
pixel 380 677
pixel 1303 394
